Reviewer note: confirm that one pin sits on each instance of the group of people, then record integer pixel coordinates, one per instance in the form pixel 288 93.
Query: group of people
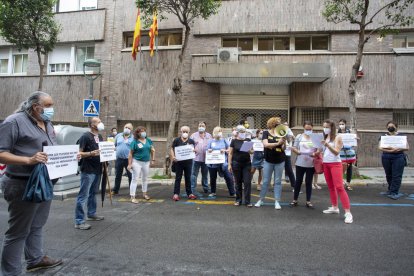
pixel 29 129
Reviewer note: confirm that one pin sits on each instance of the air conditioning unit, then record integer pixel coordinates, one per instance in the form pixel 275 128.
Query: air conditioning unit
pixel 228 55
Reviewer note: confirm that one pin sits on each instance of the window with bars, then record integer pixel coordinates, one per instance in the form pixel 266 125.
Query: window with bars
pixel 404 119
pixel 316 115
pixel 257 118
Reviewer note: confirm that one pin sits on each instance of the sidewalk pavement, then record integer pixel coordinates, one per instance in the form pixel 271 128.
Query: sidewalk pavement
pixel 376 177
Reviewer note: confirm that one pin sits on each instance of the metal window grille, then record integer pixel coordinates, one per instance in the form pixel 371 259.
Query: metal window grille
pixel 404 118
pixel 257 117
pixel 315 115
pixel 154 129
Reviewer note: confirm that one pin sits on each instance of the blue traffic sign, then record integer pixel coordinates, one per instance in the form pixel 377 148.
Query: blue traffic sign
pixel 91 108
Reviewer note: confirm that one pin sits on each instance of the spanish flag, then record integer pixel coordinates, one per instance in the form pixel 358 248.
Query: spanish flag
pixel 153 33
pixel 137 35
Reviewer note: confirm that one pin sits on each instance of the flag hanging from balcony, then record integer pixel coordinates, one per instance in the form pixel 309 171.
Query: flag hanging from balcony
pixel 137 35
pixel 153 33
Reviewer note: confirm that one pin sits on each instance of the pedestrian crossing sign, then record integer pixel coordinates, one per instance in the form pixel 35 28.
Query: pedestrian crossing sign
pixel 91 108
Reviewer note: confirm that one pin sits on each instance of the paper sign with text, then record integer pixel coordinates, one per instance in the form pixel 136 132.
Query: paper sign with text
pixel 61 160
pixel 184 152
pixel 349 139
pixel 258 145
pixel 107 151
pixel 215 157
pixel 394 141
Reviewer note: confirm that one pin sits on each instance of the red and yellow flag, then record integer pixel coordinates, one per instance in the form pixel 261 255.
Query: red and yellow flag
pixel 153 33
pixel 137 35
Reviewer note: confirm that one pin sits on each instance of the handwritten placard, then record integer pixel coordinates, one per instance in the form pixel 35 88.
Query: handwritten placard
pixel 107 151
pixel 61 160
pixel 349 139
pixel 184 152
pixel 258 145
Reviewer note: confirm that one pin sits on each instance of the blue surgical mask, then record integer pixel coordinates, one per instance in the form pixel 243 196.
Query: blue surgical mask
pixel 201 129
pixel 308 132
pixel 143 134
pixel 47 113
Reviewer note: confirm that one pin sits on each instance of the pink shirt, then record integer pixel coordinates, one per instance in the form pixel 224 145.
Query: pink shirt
pixel 200 145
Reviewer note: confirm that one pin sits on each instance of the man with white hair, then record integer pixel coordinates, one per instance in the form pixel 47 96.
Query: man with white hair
pixel 24 134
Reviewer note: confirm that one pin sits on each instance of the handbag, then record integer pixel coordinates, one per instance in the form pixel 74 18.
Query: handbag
pixel 39 187
pixel 347 155
pixel 406 159
pixel 318 164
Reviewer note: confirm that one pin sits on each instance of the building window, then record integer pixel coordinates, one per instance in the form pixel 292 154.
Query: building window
pixel 403 41
pixel 165 38
pixel 154 129
pixel 316 115
pixel 4 66
pixel 404 119
pixel 19 63
pixel 82 54
pixel 69 58
pixel 300 43
pixel 75 5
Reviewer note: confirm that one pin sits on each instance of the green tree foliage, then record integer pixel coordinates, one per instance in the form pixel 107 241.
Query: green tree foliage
pixel 371 17
pixel 29 24
pixel 186 11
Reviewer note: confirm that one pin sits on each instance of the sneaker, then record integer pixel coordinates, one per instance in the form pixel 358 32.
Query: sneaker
pixel 331 210
pixel 277 205
pixel 393 196
pixel 192 197
pixel 45 262
pixel 348 218
pixel 259 203
pixel 83 226
pixel 134 200
pixel 176 197
pixel 95 218
pixel 212 195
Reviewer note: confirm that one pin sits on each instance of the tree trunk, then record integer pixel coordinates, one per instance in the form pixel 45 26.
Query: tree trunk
pixel 41 68
pixel 177 102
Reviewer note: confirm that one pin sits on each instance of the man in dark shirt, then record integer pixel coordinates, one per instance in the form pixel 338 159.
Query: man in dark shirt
pixel 23 136
pixel 91 173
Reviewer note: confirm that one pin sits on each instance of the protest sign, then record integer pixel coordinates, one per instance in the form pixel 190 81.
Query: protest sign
pixel 61 160
pixel 184 152
pixel 107 151
pixel 215 157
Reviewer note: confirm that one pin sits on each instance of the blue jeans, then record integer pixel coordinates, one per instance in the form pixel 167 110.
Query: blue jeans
pixel 204 171
pixel 268 170
pixel 394 168
pixel 88 188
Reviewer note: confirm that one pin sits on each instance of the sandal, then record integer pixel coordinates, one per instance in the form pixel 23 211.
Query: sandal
pixel 309 205
pixel 146 197
pixel 294 203
pixel 348 187
pixel 134 200
pixel 318 187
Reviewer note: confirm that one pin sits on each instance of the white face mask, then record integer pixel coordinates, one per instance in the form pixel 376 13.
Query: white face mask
pixel 219 135
pixel 201 129
pixel 100 126
pixel 327 130
pixel 342 127
pixel 242 135
pixel 127 131
pixel 308 132
pixel 185 135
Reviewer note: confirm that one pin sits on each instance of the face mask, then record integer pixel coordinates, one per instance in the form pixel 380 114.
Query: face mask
pixel 242 135
pixel 308 132
pixel 100 126
pixel 143 134
pixel 127 131
pixel 234 133
pixel 114 133
pixel 326 130
pixel 391 129
pixel 201 129
pixel 219 135
pixel 185 135
pixel 47 113
pixel 342 126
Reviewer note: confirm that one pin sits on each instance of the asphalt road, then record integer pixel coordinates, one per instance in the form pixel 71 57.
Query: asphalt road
pixel 213 237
